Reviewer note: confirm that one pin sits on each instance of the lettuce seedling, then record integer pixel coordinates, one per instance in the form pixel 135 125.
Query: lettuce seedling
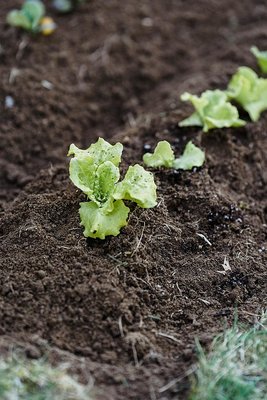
pixel 163 156
pixel 96 172
pixel 212 111
pixel 250 91
pixel 31 18
pixel 192 157
pixel 65 6
pixel 261 57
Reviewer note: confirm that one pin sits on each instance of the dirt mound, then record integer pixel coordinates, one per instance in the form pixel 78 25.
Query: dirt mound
pixel 147 293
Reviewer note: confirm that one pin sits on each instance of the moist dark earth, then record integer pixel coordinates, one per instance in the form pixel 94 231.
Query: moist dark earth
pixel 127 310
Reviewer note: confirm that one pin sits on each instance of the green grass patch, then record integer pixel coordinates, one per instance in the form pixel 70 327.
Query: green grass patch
pixel 236 366
pixel 23 379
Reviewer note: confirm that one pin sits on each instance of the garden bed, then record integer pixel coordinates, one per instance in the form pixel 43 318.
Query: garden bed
pixel 130 306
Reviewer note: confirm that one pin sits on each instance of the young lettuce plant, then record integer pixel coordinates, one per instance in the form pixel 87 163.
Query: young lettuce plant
pixel 31 17
pixel 96 172
pixel 163 156
pixel 250 91
pixel 192 157
pixel 65 6
pixel 212 110
pixel 261 57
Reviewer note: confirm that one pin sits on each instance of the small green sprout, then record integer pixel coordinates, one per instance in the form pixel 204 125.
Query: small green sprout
pixel 32 18
pixel 261 57
pixel 192 156
pixel 163 156
pixel 65 6
pixel 29 17
pixel 250 91
pixel 96 172
pixel 23 379
pixel 212 111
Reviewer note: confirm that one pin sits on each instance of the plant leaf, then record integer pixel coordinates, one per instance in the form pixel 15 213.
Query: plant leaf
pixel 193 120
pixel 212 111
pixel 63 6
pixel 250 91
pixel 102 151
pixel 95 170
pixel 29 16
pixel 98 223
pixel 18 19
pixel 137 186
pixel 107 175
pixel 82 173
pixel 75 151
pixel 163 156
pixel 261 57
pixel 192 156
pixel 97 182
pixel 34 10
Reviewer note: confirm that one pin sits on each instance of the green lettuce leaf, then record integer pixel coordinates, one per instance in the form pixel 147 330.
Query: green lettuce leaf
pixel 63 6
pixel 193 120
pixel 97 182
pixel 107 175
pixel 137 186
pixel 95 170
pixel 250 91
pixel 100 152
pixel 82 173
pixel 84 165
pixel 212 111
pixel 99 224
pixel 18 19
pixel 192 156
pixel 34 10
pixel 261 57
pixel 163 156
pixel 29 16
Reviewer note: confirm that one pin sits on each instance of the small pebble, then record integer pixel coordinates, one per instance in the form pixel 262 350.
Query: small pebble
pixel 147 147
pixel 47 85
pixel 41 273
pixel 9 102
pixel 147 22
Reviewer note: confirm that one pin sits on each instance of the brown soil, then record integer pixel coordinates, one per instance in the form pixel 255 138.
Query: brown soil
pixel 129 306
